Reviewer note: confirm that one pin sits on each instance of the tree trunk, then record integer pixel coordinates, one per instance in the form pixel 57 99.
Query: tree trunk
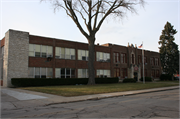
pixel 91 60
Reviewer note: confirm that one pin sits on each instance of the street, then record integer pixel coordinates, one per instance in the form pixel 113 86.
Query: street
pixel 164 104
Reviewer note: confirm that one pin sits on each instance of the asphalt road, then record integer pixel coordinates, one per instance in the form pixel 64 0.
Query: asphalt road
pixel 164 104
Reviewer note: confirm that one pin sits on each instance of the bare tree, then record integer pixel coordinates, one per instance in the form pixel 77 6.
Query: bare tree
pixel 93 13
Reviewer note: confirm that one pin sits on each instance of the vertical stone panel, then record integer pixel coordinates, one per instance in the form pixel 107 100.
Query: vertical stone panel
pixel 15 56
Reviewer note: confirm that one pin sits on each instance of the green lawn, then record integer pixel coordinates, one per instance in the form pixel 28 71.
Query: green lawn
pixel 78 90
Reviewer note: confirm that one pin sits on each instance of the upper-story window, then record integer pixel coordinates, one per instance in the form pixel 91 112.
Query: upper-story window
pixel 83 55
pixel 145 59
pixel 101 56
pixel 65 53
pixel 123 58
pixel 132 58
pixel 156 61
pixel 40 50
pixel 152 61
pixel 116 57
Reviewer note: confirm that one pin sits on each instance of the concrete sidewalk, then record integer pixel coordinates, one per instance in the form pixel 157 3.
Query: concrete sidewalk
pixel 12 98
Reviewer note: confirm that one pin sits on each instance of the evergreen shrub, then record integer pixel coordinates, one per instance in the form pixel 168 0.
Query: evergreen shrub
pixel 147 79
pixel 28 82
pixel 129 80
pixel 165 77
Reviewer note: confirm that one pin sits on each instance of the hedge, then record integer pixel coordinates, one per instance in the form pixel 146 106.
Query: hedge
pixel 147 79
pixel 165 77
pixel 129 80
pixel 27 82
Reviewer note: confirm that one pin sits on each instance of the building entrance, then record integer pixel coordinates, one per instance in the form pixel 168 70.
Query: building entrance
pixel 136 76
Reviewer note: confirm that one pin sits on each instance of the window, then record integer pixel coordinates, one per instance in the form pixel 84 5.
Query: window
pixel 40 50
pixel 37 50
pixel 153 73
pixel 83 55
pixel 43 72
pixel 43 51
pixel 132 59
pixel 37 72
pixel 157 73
pixel 65 53
pixel 31 50
pixel 49 51
pixel 124 73
pixel 152 61
pixel 103 73
pixel 65 73
pixel 82 73
pixel 145 59
pixel 156 61
pixel 116 58
pixel 103 57
pixel 49 73
pixel 123 58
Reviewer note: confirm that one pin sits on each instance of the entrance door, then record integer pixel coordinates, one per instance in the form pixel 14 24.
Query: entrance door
pixel 116 72
pixel 135 75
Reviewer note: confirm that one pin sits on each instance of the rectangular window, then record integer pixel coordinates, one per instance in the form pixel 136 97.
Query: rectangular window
pixel 156 61
pixel 73 54
pixel 62 55
pixel 43 51
pixel 67 51
pixel 83 55
pixel 132 59
pixel 57 52
pixel 152 61
pixel 124 73
pixel 116 57
pixel 123 58
pixel 43 72
pixel 31 50
pixel 37 50
pixel 157 73
pixel 102 73
pixel 49 51
pixel 145 59
pixel 63 72
pixel 82 73
pixel 57 73
pixel 31 72
pixel 73 73
pixel 68 73
pixel 37 72
pixel 49 73
pixel 102 57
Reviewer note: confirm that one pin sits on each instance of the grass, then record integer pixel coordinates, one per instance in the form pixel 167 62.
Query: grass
pixel 78 90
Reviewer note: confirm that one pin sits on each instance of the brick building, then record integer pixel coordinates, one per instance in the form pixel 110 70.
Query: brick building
pixel 24 55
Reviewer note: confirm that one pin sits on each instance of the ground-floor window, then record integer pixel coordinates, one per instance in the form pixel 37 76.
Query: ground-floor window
pixel 157 73
pixel 102 73
pixel 124 72
pixel 40 72
pixel 65 73
pixel 82 73
pixel 116 72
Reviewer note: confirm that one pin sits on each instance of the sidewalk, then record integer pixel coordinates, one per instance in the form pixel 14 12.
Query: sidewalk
pixel 12 98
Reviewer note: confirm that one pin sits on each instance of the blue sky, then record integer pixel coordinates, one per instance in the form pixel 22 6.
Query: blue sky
pixel 39 19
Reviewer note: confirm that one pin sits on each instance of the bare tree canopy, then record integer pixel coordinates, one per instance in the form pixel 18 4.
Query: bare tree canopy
pixel 93 13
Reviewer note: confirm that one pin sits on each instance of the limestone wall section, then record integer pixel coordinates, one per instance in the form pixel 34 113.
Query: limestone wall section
pixel 15 56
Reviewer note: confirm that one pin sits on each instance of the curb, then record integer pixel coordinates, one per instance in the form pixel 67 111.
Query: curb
pixel 125 93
